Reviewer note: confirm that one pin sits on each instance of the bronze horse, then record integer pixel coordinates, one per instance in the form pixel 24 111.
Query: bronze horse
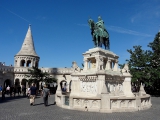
pixel 98 37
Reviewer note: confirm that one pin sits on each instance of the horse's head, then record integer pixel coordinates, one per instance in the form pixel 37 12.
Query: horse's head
pixel 91 24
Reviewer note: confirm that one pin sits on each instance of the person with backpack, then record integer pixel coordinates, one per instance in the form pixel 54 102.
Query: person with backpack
pixel 45 93
pixel 33 93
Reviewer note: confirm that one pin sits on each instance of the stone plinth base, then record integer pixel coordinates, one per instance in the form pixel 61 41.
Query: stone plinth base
pixel 93 104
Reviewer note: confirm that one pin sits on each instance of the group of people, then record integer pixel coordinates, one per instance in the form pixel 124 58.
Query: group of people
pixel 45 93
pixel 11 90
pixel 32 92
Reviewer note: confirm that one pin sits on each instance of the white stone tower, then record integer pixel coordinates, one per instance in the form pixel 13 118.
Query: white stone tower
pixel 27 56
pixel 25 59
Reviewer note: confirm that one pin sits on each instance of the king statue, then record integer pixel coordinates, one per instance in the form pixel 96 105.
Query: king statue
pixel 99 33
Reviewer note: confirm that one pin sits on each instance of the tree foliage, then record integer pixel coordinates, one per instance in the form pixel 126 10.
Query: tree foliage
pixel 145 64
pixel 155 61
pixel 36 75
pixel 139 64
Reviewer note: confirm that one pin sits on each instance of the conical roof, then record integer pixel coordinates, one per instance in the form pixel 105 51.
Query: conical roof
pixel 28 45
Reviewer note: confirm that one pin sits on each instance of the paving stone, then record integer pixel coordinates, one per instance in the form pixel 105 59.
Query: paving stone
pixel 18 108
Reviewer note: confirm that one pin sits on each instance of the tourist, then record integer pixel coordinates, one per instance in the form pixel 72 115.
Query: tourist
pixel 3 93
pixel 11 90
pixel 19 90
pixel 8 90
pixel 23 90
pixel 65 87
pixel 1 88
pixel 28 93
pixel 14 90
pixel 33 93
pixel 45 93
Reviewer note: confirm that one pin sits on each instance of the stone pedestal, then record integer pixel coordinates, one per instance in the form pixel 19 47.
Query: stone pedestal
pixel 101 87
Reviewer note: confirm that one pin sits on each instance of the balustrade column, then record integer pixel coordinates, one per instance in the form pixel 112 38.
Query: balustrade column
pixel 85 64
pixel 115 65
pixel 108 66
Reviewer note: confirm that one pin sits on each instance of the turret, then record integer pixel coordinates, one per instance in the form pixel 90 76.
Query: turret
pixel 27 56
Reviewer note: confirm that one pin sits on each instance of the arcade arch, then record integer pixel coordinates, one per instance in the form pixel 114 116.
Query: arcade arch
pixel 17 82
pixel 24 82
pixel 7 83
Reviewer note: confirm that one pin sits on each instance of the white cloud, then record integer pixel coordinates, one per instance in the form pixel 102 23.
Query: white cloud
pixel 126 31
pixel 146 12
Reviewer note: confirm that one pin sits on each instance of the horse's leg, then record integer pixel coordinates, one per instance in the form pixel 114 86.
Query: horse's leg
pixel 101 41
pixel 93 40
pixel 107 43
pixel 104 42
pixel 97 44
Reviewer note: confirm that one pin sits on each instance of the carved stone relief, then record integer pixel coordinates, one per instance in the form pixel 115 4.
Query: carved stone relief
pixel 86 103
pixel 77 102
pixel 114 87
pixel 130 103
pixel 87 86
pixel 114 103
pixel 123 103
pixel 95 103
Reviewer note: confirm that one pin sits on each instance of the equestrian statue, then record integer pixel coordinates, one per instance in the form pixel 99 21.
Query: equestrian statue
pixel 99 33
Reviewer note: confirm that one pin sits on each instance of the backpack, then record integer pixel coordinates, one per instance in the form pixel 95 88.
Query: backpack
pixel 45 92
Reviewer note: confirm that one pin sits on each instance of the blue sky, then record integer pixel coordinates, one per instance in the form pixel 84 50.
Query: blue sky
pixel 61 32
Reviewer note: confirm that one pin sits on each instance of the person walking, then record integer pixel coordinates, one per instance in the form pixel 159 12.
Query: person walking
pixel 3 93
pixel 11 90
pixel 14 90
pixel 33 93
pixel 8 90
pixel 23 90
pixel 1 88
pixel 19 90
pixel 28 93
pixel 45 93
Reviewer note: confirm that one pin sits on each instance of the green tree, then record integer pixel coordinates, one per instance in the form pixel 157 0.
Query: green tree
pixel 36 75
pixel 155 61
pixel 145 64
pixel 139 65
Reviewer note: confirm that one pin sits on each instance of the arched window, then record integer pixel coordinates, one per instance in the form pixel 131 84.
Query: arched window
pixel 28 63
pixel 36 64
pixel 22 64
pixel 63 85
pixel 15 62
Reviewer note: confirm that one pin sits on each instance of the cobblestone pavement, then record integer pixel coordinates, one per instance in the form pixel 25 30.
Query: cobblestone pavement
pixel 18 108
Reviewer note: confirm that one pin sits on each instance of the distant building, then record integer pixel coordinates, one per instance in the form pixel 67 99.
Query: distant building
pixel 24 59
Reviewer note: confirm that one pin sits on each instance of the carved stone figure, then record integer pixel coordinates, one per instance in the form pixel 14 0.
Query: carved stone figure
pixel 100 63
pixel 75 67
pixel 125 70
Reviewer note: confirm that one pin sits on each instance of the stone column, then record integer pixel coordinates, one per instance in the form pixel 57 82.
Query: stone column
pixel 105 100
pixel 127 87
pixel 75 86
pixel 100 83
pixel 85 64
pixel 108 66
pixel 59 86
pixel 115 65
pixel 97 63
